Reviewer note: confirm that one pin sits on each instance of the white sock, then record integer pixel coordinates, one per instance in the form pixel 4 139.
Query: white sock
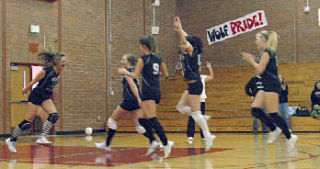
pixel 201 121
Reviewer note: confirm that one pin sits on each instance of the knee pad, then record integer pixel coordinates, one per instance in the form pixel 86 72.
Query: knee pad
pixel 196 115
pixel 112 124
pixel 140 129
pixel 53 118
pixel 183 109
pixel 24 125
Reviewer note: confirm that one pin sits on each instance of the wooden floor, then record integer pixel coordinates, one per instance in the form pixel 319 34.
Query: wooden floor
pixel 229 151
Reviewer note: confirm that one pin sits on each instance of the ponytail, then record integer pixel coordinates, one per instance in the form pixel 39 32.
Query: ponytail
pixel 271 38
pixel 50 58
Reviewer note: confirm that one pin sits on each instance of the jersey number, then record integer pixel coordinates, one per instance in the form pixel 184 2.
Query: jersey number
pixel 156 68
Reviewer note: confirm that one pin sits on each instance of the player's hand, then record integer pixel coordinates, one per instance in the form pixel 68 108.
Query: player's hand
pixel 25 90
pixel 209 65
pixel 177 23
pixel 247 56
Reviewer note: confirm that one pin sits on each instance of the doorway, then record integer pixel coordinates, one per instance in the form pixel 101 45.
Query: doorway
pixel 21 75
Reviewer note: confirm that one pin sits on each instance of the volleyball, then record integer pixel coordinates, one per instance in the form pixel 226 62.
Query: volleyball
pixel 88 130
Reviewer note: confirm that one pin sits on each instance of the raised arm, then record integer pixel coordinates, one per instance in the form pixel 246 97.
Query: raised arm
pixel 184 44
pixel 211 76
pixel 39 76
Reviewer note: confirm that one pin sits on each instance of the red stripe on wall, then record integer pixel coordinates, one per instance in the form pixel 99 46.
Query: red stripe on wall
pixel 4 66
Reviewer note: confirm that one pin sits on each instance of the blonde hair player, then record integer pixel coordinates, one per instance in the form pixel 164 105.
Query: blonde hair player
pixel 189 102
pixel 40 97
pixel 267 68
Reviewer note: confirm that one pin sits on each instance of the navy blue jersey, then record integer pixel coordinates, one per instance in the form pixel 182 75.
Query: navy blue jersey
pixel 191 65
pixel 151 71
pixel 127 92
pixel 271 72
pixel 47 83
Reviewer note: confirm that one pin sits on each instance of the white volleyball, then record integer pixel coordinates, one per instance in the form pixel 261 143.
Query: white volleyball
pixel 88 130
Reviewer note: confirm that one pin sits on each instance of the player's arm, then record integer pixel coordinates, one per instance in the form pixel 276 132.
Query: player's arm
pixel 39 76
pixel 134 74
pixel 260 67
pixel 184 44
pixel 211 76
pixel 133 88
pixel 164 70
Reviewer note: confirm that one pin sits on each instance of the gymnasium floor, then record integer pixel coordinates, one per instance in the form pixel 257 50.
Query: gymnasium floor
pixel 229 151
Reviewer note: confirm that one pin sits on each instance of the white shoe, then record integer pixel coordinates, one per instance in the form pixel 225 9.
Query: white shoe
pixel 11 145
pixel 273 135
pixel 160 145
pixel 209 142
pixel 292 141
pixel 207 117
pixel 102 146
pixel 167 149
pixel 153 147
pixel 43 141
pixel 190 140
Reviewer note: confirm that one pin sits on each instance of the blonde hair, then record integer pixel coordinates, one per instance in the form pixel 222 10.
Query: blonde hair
pixel 271 37
pixel 49 57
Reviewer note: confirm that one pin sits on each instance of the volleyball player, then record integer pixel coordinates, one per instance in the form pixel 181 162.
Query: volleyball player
pixel 40 97
pixel 267 68
pixel 150 66
pixel 130 104
pixel 190 99
pixel 203 97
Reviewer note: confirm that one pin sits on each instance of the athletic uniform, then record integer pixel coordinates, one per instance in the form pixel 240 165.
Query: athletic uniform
pixel 151 78
pixel 130 101
pixel 269 77
pixel 191 72
pixel 44 89
pixel 271 83
pixel 151 91
pixel 39 94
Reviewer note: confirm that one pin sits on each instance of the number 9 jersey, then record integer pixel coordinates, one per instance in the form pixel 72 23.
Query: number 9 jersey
pixel 151 71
